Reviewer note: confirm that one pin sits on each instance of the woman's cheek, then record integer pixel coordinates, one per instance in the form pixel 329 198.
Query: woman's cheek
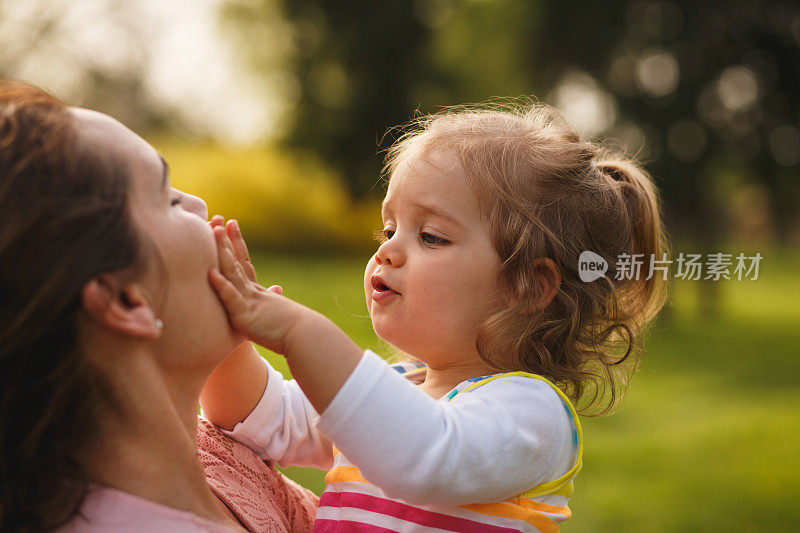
pixel 203 241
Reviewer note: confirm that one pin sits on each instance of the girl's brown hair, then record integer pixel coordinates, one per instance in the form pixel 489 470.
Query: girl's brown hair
pixel 65 221
pixel 548 193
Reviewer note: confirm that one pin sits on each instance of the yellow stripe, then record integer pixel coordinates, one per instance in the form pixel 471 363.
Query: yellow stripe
pixel 565 491
pixel 414 372
pixel 559 483
pixel 508 510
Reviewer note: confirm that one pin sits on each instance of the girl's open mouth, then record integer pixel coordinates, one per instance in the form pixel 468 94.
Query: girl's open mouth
pixel 380 290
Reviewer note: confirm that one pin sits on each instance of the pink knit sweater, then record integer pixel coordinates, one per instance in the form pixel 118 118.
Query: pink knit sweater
pixel 262 499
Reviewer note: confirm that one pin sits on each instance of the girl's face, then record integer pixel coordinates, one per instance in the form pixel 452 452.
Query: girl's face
pixel 178 244
pixel 435 276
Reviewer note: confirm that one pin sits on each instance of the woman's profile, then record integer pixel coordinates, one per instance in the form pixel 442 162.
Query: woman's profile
pixel 109 332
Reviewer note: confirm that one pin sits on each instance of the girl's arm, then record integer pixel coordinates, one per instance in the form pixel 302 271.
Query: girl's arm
pixel 485 446
pixel 281 424
pixel 235 387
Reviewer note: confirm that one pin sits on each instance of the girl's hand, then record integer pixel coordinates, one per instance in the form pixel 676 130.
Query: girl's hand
pixel 261 314
pixel 240 247
pixel 320 355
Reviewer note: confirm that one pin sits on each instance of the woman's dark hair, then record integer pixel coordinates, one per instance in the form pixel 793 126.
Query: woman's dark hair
pixel 64 221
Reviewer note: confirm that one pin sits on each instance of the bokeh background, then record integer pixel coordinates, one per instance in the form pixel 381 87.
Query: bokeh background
pixel 277 112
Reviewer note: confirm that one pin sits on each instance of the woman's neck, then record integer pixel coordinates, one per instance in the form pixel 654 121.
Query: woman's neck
pixel 148 440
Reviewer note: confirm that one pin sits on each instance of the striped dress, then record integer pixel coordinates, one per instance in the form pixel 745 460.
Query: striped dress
pixel 351 503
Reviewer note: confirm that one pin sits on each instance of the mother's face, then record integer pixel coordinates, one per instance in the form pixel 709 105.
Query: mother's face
pixel 178 245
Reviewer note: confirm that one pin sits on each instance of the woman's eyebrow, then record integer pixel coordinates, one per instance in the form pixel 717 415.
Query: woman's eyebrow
pixel 165 172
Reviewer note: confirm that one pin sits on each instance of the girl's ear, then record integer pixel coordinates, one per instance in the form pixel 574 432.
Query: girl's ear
pixel 548 281
pixel 120 307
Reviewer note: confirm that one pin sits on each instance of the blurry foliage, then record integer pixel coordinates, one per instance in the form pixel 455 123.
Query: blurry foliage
pixel 696 89
pixel 356 64
pixel 44 42
pixel 364 67
pixel 475 51
pixel 283 200
pixel 708 92
pixel 711 86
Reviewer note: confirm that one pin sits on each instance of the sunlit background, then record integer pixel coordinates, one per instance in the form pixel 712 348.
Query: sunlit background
pixel 277 112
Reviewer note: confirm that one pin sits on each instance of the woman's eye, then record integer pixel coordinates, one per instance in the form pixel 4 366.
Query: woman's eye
pixel 431 240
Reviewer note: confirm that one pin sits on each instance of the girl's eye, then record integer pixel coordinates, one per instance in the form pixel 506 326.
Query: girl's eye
pixel 384 235
pixel 432 240
pixel 174 202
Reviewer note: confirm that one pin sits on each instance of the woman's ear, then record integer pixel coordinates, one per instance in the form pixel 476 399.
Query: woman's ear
pixel 548 281
pixel 120 307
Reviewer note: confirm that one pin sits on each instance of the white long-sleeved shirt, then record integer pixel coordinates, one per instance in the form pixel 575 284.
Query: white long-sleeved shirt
pixel 484 445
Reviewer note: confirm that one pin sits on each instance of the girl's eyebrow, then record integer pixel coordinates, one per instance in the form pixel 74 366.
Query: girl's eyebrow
pixel 427 209
pixel 435 211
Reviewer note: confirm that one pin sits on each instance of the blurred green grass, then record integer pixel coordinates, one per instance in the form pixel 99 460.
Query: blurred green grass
pixel 707 436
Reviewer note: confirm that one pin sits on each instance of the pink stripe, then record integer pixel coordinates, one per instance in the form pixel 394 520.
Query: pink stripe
pixel 407 512
pixel 336 526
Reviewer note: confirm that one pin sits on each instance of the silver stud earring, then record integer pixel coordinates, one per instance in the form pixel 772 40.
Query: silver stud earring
pixel 159 323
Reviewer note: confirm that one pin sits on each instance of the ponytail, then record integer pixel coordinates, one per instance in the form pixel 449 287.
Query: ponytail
pixel 648 239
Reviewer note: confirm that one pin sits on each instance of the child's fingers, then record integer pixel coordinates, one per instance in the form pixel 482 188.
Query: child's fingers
pixel 240 247
pixel 216 220
pixel 228 264
pixel 231 298
pixel 235 234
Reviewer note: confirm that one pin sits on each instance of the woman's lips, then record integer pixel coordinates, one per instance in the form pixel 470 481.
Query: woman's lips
pixel 381 292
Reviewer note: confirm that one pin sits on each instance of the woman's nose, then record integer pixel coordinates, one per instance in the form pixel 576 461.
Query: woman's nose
pixel 196 205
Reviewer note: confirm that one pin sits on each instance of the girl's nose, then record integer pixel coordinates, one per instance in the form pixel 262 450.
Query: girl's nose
pixel 390 253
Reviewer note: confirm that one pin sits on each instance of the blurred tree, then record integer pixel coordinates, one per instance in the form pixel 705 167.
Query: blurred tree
pixel 476 51
pixel 363 68
pixel 103 68
pixel 355 64
pixel 710 90
pixel 711 87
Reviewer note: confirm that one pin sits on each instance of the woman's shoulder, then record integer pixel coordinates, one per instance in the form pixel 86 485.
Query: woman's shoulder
pixel 107 509
pixel 262 498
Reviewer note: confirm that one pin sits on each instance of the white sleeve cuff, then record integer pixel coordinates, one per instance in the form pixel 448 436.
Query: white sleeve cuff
pixel 250 431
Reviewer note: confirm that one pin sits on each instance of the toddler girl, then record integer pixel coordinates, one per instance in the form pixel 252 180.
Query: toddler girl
pixel 477 277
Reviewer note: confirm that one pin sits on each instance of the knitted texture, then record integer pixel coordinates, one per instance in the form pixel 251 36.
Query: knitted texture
pixel 263 499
